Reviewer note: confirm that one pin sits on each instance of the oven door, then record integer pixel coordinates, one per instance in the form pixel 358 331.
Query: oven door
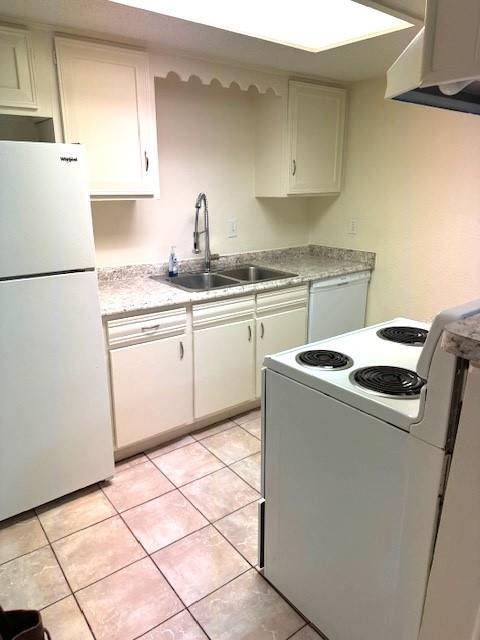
pixel 349 515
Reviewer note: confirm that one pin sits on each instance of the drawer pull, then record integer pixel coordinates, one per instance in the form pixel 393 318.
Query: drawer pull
pixel 262 332
pixel 294 167
pixel 249 333
pixel 182 350
pixel 154 327
pixel 147 162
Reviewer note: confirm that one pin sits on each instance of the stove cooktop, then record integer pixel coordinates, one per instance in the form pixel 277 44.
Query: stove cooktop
pixel 365 348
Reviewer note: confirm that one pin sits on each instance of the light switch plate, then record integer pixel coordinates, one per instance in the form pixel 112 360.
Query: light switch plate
pixel 352 227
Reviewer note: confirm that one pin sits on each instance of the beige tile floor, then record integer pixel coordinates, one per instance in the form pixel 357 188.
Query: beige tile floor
pixel 167 550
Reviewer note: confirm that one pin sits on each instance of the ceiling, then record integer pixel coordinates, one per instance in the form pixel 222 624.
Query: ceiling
pixel 112 21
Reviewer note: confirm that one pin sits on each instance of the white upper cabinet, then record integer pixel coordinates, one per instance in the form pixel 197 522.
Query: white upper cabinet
pixel 107 103
pixel 17 78
pixel 316 117
pixel 299 141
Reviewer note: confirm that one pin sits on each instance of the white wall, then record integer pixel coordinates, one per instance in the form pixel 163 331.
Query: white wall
pixel 412 182
pixel 206 143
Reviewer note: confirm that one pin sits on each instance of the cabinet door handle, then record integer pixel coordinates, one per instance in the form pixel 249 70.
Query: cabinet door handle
pixel 147 161
pixel 182 350
pixel 294 167
pixel 153 327
pixel 262 330
pixel 249 333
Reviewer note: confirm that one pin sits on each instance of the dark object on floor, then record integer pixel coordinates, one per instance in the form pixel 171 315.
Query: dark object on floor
pixel 22 625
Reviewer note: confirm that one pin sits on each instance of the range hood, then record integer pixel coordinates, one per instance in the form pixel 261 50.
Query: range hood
pixel 441 66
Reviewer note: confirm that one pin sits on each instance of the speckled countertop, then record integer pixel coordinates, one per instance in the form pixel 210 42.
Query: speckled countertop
pixel 130 289
pixel 462 338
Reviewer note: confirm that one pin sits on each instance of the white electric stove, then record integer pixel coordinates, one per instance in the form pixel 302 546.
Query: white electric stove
pixel 358 434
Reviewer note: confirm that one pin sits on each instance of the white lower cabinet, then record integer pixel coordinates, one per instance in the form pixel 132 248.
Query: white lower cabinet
pixel 151 381
pixel 224 355
pixel 281 324
pixel 164 376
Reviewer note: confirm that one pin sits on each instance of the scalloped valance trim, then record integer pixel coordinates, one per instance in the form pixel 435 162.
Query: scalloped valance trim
pixel 164 65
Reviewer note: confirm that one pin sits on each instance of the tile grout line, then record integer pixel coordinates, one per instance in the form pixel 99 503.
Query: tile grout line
pixel 72 593
pixel 210 523
pixel 234 424
pixel 140 504
pixel 185 608
pixel 249 432
pixel 191 434
pixel 22 555
pixel 249 568
pixel 228 466
pixel 157 626
pixel 88 526
pixel 177 486
pixel 297 631
pixel 119 513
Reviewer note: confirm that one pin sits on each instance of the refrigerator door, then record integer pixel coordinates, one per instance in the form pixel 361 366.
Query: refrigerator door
pixel 45 216
pixel 55 425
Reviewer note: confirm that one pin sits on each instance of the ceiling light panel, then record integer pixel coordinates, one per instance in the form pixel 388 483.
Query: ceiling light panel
pixel 312 25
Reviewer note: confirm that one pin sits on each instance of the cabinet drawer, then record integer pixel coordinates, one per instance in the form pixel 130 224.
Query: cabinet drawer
pixel 283 300
pixel 214 313
pixel 151 326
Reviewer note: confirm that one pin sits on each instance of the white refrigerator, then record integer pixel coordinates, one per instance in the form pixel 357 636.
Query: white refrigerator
pixel 55 423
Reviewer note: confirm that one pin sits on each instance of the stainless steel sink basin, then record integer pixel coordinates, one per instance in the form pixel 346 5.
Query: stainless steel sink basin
pixel 198 281
pixel 252 273
pixel 204 281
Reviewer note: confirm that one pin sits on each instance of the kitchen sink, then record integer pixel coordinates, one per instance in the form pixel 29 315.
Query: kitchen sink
pixel 198 281
pixel 252 273
pixel 204 281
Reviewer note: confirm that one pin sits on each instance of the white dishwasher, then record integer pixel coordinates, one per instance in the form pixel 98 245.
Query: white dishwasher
pixel 337 305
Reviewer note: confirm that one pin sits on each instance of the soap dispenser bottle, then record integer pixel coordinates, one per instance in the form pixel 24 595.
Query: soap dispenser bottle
pixel 172 264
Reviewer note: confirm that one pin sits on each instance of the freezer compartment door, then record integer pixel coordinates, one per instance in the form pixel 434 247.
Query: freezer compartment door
pixel 55 425
pixel 45 216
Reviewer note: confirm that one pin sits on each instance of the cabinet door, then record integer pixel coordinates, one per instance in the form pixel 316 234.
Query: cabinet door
pixel 107 106
pixel 316 117
pixel 152 388
pixel 224 366
pixel 17 84
pixel 278 332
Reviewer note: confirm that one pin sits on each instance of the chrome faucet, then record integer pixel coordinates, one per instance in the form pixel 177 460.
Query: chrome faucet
pixel 202 198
